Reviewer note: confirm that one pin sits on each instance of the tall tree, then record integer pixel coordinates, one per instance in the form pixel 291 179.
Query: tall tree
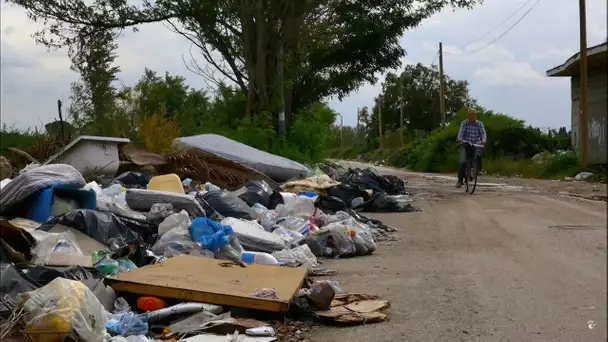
pixel 281 53
pixel 420 99
pixel 93 97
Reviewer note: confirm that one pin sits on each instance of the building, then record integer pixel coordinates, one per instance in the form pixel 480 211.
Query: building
pixel 597 98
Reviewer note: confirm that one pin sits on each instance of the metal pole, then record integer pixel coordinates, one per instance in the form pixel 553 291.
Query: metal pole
pixel 401 111
pixel 584 122
pixel 61 128
pixel 441 85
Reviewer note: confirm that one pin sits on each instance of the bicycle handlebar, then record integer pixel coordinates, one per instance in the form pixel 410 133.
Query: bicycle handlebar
pixel 468 143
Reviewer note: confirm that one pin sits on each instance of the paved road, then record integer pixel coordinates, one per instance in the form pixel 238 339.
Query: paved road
pixel 509 263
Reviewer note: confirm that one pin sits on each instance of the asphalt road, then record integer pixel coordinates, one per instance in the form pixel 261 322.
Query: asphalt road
pixel 521 261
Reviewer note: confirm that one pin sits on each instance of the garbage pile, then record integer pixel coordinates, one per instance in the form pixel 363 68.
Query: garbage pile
pixel 146 257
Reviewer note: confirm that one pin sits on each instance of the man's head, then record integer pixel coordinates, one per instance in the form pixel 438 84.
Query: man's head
pixel 472 115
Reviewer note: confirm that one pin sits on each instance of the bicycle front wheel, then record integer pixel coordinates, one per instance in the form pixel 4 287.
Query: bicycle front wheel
pixel 473 174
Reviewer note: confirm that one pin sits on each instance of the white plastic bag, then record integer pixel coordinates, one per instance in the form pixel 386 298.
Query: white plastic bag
pixel 175 238
pixel 178 220
pixel 66 307
pixel 300 206
pixel 299 255
pixel 342 239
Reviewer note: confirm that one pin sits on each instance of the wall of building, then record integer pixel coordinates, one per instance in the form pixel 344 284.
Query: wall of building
pixel 597 114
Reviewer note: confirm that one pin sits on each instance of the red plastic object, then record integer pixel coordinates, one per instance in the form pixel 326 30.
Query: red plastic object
pixel 147 303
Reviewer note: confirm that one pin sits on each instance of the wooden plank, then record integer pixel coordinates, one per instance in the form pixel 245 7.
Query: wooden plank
pixel 206 280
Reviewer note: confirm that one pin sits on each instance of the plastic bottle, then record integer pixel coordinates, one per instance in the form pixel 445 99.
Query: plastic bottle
pixel 258 258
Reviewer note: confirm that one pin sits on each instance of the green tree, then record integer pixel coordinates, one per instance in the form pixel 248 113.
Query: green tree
pixel 281 53
pixel 93 97
pixel 420 99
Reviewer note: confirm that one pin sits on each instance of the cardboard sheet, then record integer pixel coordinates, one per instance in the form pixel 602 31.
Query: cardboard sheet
pixel 214 281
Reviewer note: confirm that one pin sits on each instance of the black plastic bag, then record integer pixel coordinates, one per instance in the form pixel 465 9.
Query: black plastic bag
pixel 371 179
pixel 382 202
pixel 225 204
pixel 13 282
pixel 131 179
pixel 104 227
pixel 330 204
pixel 347 193
pixel 46 274
pixel 259 191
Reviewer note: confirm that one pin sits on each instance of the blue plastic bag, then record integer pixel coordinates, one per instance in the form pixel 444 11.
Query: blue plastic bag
pixel 212 235
pixel 127 324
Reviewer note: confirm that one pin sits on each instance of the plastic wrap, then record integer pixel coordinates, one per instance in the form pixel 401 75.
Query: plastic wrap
pixel 253 237
pixel 127 324
pixel 289 236
pixel 67 308
pixel 176 236
pixel 275 167
pixel 159 212
pixel 300 255
pixel 28 183
pixel 300 207
pixel 296 224
pixel 140 199
pixel 341 238
pixel 55 243
pixel 226 204
pixel 269 220
pixel 260 192
pixel 179 220
pixel 212 235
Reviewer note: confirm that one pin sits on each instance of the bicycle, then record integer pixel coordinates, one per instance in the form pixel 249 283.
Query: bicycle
pixel 471 168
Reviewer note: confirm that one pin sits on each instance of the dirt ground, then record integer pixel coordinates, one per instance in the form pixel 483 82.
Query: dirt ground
pixel 519 260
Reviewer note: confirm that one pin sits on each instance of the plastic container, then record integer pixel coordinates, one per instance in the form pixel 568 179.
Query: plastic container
pixel 169 182
pixel 258 258
pixel 42 207
pixel 148 303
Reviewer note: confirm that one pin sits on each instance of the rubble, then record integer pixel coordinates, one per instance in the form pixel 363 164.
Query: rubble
pixel 190 246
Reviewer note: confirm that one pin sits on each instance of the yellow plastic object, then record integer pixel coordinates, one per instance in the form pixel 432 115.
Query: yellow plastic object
pixel 169 182
pixel 64 308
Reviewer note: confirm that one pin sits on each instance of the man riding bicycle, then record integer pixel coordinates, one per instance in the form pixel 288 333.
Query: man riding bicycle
pixel 472 132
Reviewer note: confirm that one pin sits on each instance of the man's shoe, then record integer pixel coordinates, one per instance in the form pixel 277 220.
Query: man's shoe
pixel 459 184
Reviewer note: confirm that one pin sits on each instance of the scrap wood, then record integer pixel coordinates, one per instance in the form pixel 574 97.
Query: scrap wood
pixel 180 277
pixel 357 312
pixel 206 167
pixel 347 298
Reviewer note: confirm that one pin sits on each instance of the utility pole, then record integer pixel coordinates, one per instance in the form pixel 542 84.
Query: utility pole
pixel 341 131
pixel 401 110
pixel 61 128
pixel 357 131
pixel 441 86
pixel 380 121
pixel 583 122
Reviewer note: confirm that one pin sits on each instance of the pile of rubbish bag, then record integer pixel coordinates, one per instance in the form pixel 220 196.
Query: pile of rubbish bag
pixel 61 237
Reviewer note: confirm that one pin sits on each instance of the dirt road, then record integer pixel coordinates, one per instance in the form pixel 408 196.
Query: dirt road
pixel 520 262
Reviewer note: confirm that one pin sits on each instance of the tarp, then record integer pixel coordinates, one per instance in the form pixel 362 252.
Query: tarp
pixel 275 167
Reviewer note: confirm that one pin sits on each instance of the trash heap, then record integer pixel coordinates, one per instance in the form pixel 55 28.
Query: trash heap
pixel 144 258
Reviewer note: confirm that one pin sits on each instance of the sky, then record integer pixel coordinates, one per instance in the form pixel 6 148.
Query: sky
pixel 507 76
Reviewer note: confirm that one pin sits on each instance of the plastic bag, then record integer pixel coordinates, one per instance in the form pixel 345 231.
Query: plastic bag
pixel 65 307
pixel 258 191
pixel 300 255
pixel 289 236
pixel 180 219
pixel 334 284
pixel 330 204
pixel 226 204
pixel 259 211
pixel 28 183
pixel 341 238
pixel 299 207
pixel 131 179
pixel 297 224
pixel 269 220
pixel 159 212
pixel 253 237
pixel 127 324
pixel 177 238
pixel 64 243
pixel 210 234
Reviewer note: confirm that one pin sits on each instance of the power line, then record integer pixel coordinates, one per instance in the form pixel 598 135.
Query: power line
pixel 497 26
pixel 499 37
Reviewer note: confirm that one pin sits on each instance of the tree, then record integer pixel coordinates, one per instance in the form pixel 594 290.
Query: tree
pixel 93 96
pixel 420 98
pixel 281 53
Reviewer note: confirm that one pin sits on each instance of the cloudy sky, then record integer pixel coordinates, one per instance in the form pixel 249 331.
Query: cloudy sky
pixel 507 76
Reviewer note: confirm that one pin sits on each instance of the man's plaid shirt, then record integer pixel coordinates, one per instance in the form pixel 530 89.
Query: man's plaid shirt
pixel 473 132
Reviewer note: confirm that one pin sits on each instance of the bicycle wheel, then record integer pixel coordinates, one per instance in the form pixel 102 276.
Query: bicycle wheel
pixel 473 173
